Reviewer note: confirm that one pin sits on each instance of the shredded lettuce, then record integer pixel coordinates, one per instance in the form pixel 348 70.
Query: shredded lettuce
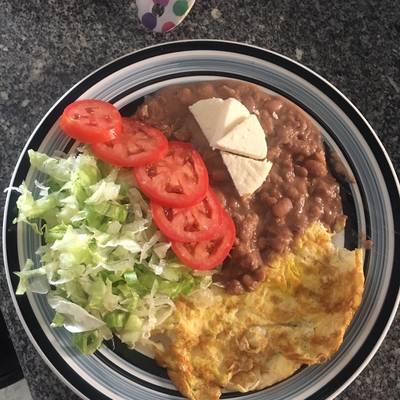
pixel 76 318
pixel 88 342
pixel 59 170
pixel 32 278
pixel 105 267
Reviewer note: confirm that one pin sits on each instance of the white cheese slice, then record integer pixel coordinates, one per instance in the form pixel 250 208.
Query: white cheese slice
pixel 216 117
pixel 246 139
pixel 247 174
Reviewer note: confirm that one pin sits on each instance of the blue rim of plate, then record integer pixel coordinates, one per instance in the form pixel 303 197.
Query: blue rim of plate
pixel 23 305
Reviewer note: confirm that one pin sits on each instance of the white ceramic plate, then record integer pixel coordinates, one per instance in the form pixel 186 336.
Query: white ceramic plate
pixel 372 204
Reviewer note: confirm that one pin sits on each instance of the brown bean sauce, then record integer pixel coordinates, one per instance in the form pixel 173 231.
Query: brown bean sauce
pixel 298 190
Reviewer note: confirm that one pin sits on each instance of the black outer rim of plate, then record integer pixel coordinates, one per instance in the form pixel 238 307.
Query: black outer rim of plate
pixel 10 252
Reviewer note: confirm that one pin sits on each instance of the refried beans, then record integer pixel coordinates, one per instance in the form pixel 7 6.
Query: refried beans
pixel 298 191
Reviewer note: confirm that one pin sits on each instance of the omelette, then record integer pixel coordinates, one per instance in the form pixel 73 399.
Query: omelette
pixel 216 341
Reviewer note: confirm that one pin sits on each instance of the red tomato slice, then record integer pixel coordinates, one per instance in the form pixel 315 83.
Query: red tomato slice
pixel 180 179
pixel 138 145
pixel 91 121
pixel 208 254
pixel 190 224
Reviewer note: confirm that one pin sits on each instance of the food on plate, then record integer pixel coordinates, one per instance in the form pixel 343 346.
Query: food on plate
pixel 298 190
pixel 242 138
pixel 180 179
pixel 296 317
pixel 216 116
pixel 137 145
pixel 245 139
pixel 91 121
pixel 200 227
pixel 247 174
pixel 104 265
pixel 189 224
pixel 208 253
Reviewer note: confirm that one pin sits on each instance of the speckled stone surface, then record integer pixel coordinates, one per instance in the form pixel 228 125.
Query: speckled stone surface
pixel 47 46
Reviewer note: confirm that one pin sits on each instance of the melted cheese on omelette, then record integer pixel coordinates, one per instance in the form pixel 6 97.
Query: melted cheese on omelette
pixel 298 316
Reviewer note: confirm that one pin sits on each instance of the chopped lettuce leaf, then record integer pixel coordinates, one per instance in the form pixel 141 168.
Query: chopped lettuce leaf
pixel 55 233
pixel 103 191
pixel 44 190
pixel 88 342
pixel 58 320
pixel 76 318
pixel 116 319
pixel 139 205
pixel 129 245
pixel 56 168
pixel 32 279
pixel 113 228
pixel 29 208
pixel 101 297
pixel 73 250
pixel 149 244
pixel 155 310
pixel 161 249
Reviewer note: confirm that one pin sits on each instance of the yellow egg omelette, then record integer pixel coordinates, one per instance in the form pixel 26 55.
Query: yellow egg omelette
pixel 216 341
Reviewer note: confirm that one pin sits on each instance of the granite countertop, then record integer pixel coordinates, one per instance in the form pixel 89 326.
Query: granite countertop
pixel 47 46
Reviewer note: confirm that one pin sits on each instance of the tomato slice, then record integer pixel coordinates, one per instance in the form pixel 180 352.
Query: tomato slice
pixel 180 179
pixel 208 254
pixel 189 224
pixel 137 145
pixel 91 121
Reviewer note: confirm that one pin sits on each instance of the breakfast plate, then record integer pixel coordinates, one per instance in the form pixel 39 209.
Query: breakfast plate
pixel 368 187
